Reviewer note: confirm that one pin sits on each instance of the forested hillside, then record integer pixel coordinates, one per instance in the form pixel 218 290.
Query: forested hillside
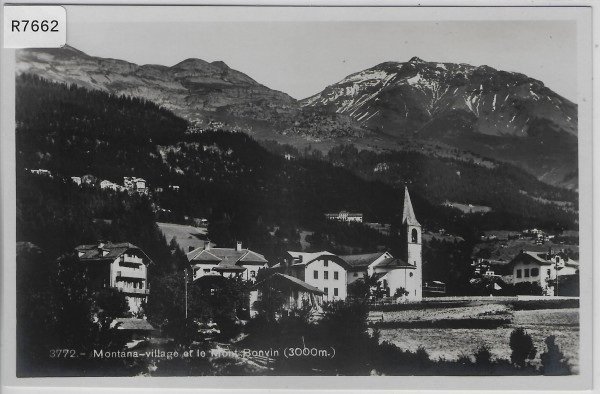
pixel 247 192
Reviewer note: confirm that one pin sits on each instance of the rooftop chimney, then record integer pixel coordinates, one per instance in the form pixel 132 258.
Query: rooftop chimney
pixel 207 244
pixel 238 246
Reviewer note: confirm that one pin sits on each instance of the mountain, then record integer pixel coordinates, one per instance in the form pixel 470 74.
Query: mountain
pixel 506 116
pixel 193 89
pixel 442 109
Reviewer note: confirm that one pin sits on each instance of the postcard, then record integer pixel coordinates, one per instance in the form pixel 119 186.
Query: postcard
pixel 298 197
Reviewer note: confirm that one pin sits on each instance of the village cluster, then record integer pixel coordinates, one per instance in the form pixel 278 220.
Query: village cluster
pixel 312 278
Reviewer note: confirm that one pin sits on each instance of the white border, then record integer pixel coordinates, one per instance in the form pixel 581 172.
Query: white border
pixel 450 10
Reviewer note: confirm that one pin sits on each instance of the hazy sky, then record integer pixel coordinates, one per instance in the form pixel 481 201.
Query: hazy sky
pixel 301 52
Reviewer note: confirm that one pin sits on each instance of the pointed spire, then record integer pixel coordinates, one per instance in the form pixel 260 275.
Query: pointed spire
pixel 408 215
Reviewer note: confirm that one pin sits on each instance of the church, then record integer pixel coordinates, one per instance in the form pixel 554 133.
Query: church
pixel 399 276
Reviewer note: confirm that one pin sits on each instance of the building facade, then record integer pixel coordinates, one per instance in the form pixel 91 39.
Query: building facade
pixel 322 270
pixel 122 266
pixel 545 269
pixel 345 216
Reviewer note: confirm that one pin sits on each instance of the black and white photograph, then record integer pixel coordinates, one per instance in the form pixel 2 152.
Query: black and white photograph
pixel 311 192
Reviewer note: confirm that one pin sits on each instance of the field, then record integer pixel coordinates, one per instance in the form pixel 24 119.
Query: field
pixel 465 337
pixel 185 236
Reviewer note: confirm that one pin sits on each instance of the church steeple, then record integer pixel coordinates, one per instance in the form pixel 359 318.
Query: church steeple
pixel 408 215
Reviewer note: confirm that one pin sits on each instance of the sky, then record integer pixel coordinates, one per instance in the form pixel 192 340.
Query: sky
pixel 300 52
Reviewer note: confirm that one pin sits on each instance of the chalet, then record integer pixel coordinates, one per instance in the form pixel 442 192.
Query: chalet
pixel 542 268
pixel 345 216
pixel 294 293
pixel 122 266
pixel 229 262
pixel 323 270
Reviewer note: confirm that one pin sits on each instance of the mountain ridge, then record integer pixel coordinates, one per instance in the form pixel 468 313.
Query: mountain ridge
pixel 502 115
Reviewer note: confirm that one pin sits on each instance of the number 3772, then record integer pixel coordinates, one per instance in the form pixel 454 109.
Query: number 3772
pixel 34 25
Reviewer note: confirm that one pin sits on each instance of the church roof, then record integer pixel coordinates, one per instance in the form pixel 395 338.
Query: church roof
pixel 408 215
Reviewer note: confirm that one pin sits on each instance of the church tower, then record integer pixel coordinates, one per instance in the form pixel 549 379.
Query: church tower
pixel 411 232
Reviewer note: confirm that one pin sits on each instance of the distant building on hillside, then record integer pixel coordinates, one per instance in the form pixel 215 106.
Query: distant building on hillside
pixel 135 184
pixel 122 266
pixel 228 262
pixel 344 216
pixel 111 185
pixel 542 268
pixel 42 172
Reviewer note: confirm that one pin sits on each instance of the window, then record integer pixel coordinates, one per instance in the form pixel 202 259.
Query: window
pixel 355 274
pixel 326 290
pixel 415 235
pixel 526 273
pixel 316 274
pixel 253 274
pixel 336 275
pixel 557 260
pixel 410 274
pixel 518 273
pixel 535 271
pixel 335 291
pixel 206 271
pixel 548 272
pixel 326 275
pixel 326 263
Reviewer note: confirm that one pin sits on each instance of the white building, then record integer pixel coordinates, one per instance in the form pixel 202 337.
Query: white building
pixel 542 268
pixel 111 185
pixel 122 266
pixel 228 262
pixel 135 184
pixel 345 216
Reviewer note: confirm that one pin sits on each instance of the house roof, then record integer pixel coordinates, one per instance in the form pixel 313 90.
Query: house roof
pixel 408 215
pixel 392 262
pixel 114 250
pixel 532 257
pixel 362 260
pixel 308 258
pixel 542 258
pixel 290 281
pixel 129 323
pixel 226 257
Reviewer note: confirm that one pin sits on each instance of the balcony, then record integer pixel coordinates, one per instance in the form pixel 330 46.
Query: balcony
pixel 133 290
pixel 134 274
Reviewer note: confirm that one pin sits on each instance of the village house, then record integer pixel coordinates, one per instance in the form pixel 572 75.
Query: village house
pixel 323 270
pixel 345 216
pixel 135 184
pixel 293 292
pixel 542 268
pixel 121 266
pixel 229 262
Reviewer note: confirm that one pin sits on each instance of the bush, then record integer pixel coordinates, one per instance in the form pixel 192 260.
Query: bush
pixel 522 347
pixel 553 360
